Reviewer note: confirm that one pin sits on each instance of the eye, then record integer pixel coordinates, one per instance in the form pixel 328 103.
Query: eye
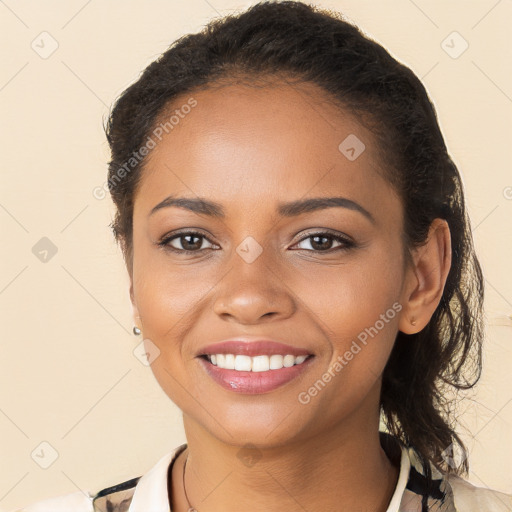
pixel 323 242
pixel 192 242
pixel 185 242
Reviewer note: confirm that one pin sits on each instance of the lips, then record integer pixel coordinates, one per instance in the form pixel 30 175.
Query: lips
pixel 253 382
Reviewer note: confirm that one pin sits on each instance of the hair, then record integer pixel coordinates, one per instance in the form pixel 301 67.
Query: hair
pixel 303 44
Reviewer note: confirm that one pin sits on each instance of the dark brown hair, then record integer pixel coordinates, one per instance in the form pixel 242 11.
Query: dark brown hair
pixel 302 43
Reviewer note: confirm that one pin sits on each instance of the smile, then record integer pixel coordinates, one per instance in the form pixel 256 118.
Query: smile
pixel 254 375
pixel 261 363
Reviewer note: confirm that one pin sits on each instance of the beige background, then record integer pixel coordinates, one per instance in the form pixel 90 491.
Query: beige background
pixel 68 374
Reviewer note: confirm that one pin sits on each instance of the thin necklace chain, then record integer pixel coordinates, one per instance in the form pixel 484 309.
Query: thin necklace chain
pixel 190 507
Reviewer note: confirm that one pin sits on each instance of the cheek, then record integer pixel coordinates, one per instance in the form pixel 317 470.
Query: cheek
pixel 358 308
pixel 352 297
pixel 168 299
pixel 167 295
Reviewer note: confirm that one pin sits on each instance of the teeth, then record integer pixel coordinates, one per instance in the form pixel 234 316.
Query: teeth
pixel 261 363
pixel 242 363
pixel 229 362
pixel 276 362
pixel 288 361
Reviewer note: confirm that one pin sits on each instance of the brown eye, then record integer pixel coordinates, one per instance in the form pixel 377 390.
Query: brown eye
pixel 186 241
pixel 323 242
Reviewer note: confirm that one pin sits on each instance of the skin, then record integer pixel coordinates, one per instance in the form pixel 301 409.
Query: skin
pixel 249 149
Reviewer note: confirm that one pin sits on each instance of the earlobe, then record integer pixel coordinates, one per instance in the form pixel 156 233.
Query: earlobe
pixel 409 325
pixel 431 265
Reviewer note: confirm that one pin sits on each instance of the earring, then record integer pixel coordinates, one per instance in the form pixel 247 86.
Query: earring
pixel 413 322
pixel 136 330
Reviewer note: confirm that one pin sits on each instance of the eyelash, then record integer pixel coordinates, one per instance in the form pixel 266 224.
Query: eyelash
pixel 348 244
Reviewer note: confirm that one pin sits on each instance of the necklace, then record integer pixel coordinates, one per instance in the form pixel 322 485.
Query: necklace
pixel 190 507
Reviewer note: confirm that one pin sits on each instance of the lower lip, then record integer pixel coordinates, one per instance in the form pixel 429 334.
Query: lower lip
pixel 254 382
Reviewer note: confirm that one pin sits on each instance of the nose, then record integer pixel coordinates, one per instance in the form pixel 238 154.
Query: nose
pixel 254 292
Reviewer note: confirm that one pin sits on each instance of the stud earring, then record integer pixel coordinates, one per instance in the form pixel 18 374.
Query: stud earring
pixel 136 330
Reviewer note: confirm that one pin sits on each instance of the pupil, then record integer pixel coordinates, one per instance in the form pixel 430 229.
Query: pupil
pixel 315 237
pixel 191 245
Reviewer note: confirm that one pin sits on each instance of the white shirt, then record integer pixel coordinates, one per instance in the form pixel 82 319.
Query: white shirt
pixel 148 493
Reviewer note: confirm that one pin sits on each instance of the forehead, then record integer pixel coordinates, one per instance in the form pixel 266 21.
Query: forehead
pixel 252 144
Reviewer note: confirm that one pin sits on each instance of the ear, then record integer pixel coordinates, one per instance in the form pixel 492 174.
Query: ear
pixel 426 278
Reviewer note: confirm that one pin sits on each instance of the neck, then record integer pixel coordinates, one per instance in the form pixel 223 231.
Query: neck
pixel 339 470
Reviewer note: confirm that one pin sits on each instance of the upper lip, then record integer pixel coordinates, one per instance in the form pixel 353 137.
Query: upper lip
pixel 252 348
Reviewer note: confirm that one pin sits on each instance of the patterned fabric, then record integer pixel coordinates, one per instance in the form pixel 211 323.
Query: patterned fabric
pixel 117 498
pixel 440 494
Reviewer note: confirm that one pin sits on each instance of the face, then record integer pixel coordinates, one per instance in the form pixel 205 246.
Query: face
pixel 327 280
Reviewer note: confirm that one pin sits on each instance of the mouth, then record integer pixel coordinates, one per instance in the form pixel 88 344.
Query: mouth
pixel 259 363
pixel 253 366
pixel 254 375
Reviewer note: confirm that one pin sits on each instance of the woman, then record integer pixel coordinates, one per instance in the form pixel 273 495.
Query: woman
pixel 301 269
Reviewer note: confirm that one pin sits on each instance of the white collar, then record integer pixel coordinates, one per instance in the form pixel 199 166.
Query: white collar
pixel 151 491
pixel 403 477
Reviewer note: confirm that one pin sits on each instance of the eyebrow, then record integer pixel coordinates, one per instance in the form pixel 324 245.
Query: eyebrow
pixel 290 209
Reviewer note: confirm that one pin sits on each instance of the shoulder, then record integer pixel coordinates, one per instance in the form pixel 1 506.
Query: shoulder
pixel 77 502
pixel 116 498
pixel 471 498
pixel 447 491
